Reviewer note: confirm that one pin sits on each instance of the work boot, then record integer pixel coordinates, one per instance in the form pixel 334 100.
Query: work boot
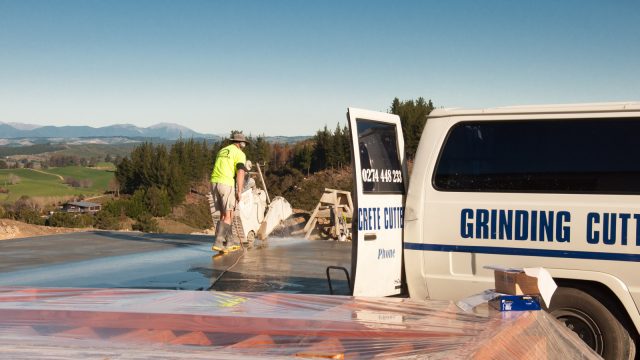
pixel 232 242
pixel 218 243
pixel 220 229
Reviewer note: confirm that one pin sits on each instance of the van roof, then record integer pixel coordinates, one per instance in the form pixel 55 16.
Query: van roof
pixel 541 109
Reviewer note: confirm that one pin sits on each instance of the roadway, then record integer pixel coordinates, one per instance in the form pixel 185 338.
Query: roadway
pixel 106 259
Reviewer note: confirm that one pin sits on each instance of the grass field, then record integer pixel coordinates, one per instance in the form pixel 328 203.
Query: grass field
pixel 105 166
pixel 98 150
pixel 48 184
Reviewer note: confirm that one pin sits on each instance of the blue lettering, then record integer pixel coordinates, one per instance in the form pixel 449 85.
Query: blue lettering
pixel 563 233
pixel 534 228
pixel 593 236
pixel 609 229
pixel 494 218
pixel 637 218
pixel 386 253
pixel 623 225
pixel 396 213
pixel 365 214
pixel 396 223
pixel 373 224
pixel 522 225
pixel 482 226
pixel 466 229
pixel 386 218
pixel 506 221
pixel 546 225
pixel 391 218
pixel 376 218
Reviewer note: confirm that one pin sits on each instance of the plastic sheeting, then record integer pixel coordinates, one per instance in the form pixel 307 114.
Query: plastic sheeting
pixel 137 324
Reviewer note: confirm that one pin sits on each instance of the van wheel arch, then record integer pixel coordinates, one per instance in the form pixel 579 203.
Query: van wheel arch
pixel 597 298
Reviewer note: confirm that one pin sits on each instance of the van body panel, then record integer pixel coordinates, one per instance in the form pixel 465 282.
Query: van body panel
pixel 452 235
pixel 571 109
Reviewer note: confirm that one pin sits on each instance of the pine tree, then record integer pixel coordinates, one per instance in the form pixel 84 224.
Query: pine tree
pixel 320 157
pixel 413 116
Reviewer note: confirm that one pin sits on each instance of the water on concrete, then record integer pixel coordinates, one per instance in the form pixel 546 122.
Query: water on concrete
pixel 165 261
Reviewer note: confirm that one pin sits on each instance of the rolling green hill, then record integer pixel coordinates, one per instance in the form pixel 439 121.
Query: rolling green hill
pixel 49 183
pixel 28 150
pixel 99 178
pixel 98 150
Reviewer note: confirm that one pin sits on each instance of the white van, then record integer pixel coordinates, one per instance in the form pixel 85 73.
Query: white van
pixel 551 186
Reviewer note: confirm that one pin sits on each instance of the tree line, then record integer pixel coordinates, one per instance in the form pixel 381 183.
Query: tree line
pixel 166 174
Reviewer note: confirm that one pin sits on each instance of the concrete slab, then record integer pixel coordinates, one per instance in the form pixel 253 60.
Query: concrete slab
pixel 167 261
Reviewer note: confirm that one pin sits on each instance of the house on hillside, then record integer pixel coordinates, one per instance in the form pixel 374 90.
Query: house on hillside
pixel 81 207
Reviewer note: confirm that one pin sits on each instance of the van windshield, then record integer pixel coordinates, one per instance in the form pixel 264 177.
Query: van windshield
pixel 599 156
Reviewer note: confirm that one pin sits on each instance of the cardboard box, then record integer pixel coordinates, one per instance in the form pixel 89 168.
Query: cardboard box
pixel 515 283
pixel 515 303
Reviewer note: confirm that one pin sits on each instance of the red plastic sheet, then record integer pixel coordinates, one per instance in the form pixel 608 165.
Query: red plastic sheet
pixel 136 324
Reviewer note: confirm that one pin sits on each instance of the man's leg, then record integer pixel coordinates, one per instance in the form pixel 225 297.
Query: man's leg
pixel 225 221
pixel 219 244
pixel 221 233
pixel 228 221
pixel 223 228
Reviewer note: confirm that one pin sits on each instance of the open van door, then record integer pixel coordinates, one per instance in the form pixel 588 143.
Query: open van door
pixel 379 179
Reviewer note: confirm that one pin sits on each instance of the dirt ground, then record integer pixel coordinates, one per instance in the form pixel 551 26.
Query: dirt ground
pixel 11 229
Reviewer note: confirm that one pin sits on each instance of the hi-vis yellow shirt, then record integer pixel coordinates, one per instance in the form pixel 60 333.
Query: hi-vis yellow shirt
pixel 224 170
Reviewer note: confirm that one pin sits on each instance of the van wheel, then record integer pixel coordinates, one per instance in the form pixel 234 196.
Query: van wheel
pixel 593 323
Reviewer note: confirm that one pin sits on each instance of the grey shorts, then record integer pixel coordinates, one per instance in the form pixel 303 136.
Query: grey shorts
pixel 224 197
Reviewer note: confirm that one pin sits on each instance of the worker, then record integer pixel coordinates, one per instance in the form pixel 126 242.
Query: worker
pixel 227 184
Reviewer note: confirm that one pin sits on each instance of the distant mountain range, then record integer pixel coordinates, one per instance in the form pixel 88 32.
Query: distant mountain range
pixel 162 131
pixel 18 134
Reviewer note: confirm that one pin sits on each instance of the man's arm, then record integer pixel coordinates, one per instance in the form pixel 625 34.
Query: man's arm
pixel 240 181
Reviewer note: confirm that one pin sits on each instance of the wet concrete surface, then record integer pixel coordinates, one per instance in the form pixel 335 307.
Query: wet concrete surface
pixel 106 259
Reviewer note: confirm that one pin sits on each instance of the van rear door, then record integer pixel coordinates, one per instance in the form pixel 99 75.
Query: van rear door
pixel 379 181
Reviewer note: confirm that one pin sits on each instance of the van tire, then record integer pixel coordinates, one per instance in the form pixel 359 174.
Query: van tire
pixel 593 323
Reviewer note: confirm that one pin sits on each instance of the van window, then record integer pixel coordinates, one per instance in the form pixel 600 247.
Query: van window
pixel 379 158
pixel 592 156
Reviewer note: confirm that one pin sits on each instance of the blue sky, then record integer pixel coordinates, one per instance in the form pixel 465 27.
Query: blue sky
pixel 289 67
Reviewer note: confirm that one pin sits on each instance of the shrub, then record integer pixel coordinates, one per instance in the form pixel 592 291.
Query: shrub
pixel 83 183
pixel 73 182
pixel 135 206
pixel 157 201
pixel 107 221
pixel 62 219
pixel 29 216
pixel 85 220
pixel 25 210
pixel 148 224
pixel 116 208
pixel 195 215
pixel 13 179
